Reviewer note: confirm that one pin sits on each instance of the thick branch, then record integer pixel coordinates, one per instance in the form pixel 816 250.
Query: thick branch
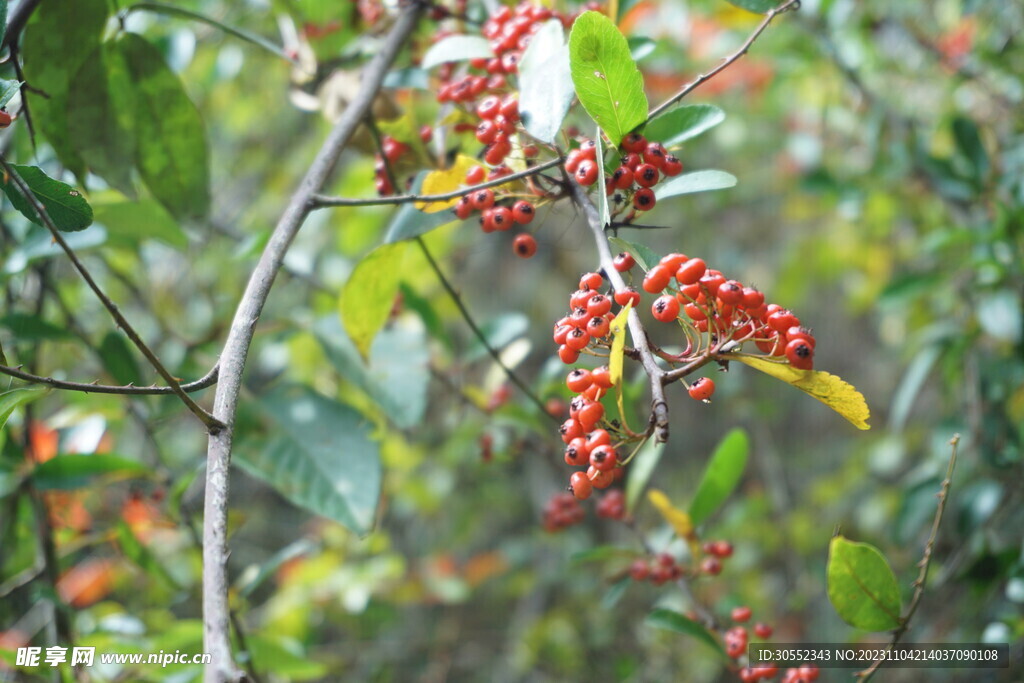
pixel 216 616
pixel 211 423
pixel 19 17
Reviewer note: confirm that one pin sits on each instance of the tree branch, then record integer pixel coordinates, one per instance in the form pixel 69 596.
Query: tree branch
pixel 207 380
pixel 212 424
pixel 216 615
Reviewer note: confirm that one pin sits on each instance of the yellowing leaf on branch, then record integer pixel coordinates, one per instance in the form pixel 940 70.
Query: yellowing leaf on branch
pixel 443 181
pixel 618 332
pixel 679 520
pixel 827 388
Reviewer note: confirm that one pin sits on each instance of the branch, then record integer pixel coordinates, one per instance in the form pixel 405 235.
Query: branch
pixel 695 83
pixel 659 407
pixel 212 424
pixel 216 615
pixel 16 22
pixel 924 564
pixel 207 380
pixel 319 201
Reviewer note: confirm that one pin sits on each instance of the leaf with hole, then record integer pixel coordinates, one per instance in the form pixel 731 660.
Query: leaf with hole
pixel 682 123
pixel 721 475
pixel 321 456
pixel 545 82
pixel 65 205
pixel 607 81
pixel 861 586
pixel 697 181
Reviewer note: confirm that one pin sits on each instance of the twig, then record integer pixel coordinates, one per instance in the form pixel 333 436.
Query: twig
pixel 319 201
pixel 212 424
pixel 924 564
pixel 16 22
pixel 695 83
pixel 207 380
pixel 216 615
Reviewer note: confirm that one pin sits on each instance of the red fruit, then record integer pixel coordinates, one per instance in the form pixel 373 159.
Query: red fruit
pixel 801 333
pixel 673 261
pixel 639 570
pixel 598 327
pixel 522 212
pixel 622 178
pixel 580 485
pixel 624 261
pixel 763 630
pixel 634 142
pixel 624 296
pixel 657 279
pixel 741 614
pixel 712 280
pixel 598 305
pixel 578 380
pixel 665 308
pixel 600 480
pixel 464 208
pixel 752 299
pixel 572 161
pixel 577 339
pixel 632 161
pixel 730 292
pixel 702 389
pixel 570 429
pixel 721 549
pixel 497 152
pixel 603 458
pixel 591 281
pixel 530 151
pixel 582 296
pixel 569 355
pixel 590 414
pixel 735 641
pixel 598 437
pixel 644 199
pixel 482 199
pixel 602 377
pixel 691 272
pixel 524 245
pixel 5 119
pixel 510 62
pixel 800 354
pixel 489 107
pixel 510 108
pixel 426 133
pixel 475 175
pixel 782 319
pixel 577 454
pixel 711 566
pixel 501 218
pixel 646 175
pixel 655 155
pixel 672 167
pixel 586 173
pixel 694 312
pixel 486 131
pixel 392 149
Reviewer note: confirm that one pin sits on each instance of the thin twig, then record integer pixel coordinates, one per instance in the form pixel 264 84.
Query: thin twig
pixel 695 83
pixel 207 380
pixel 924 564
pixel 212 424
pixel 319 201
pixel 216 615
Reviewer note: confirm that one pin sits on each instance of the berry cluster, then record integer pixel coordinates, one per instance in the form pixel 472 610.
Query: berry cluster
pixel 561 511
pixel 384 162
pixel 641 166
pixel 704 300
pixel 658 570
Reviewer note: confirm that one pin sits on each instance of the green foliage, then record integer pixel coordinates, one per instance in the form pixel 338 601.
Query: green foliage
pixel 65 205
pixel 12 399
pixel 696 181
pixel 69 472
pixel 8 89
pixel 679 623
pixel 757 6
pixel 861 586
pixel 721 475
pixel 607 81
pixel 118 358
pixel 545 82
pixel 682 123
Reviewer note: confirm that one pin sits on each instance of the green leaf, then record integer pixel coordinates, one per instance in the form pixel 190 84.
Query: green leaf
pixel 615 592
pixel 9 400
pixel 607 81
pixel 285 659
pixel 640 47
pixel 369 294
pixel 968 142
pixel 640 471
pixel 456 48
pixel 861 586
pixel 721 475
pixel 129 223
pixel 602 197
pixel 756 6
pixel 100 95
pixel 545 82
pixel 169 134
pixel 142 556
pixel 8 89
pixel 249 582
pixel 905 397
pixel 57 39
pixel 75 471
pixel 321 457
pixel 396 375
pixel 674 621
pixel 697 181
pixel 682 123
pixel 39 244
pixel 65 205
pixel 118 358
pixel 3 19
pixel 410 222
pixel 27 327
pixel 643 254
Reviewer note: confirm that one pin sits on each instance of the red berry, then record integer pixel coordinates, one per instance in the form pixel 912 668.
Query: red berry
pixel 524 245
pixel 570 355
pixel 782 319
pixel 624 261
pixel 475 175
pixel 580 485
pixel 721 549
pixel 501 218
pixel 711 566
pixel 691 272
pixel 800 354
pixel 657 279
pixel 489 107
pixel 591 281
pixel 622 178
pixel 632 161
pixel 639 570
pixel 646 175
pixel 600 480
pixel 602 377
pixel 599 304
pixel 624 296
pixel 741 614
pixel 598 327
pixel 497 152
pixel 644 199
pixel 730 292
pixel 510 108
pixel 702 389
pixel 482 199
pixel 570 429
pixel 665 308
pixel 392 149
pixel 590 414
pixel 522 212
pixel 586 173
pixel 655 155
pixel 577 339
pixel 603 458
pixel 672 167
pixel 634 142
pixel 578 380
pixel 762 630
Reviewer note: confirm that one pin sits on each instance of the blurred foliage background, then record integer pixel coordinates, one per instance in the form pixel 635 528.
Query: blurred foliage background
pixel 880 154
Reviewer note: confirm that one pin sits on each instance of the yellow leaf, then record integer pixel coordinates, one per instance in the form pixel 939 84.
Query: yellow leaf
pixel 679 520
pixel 618 331
pixel 444 181
pixel 829 389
